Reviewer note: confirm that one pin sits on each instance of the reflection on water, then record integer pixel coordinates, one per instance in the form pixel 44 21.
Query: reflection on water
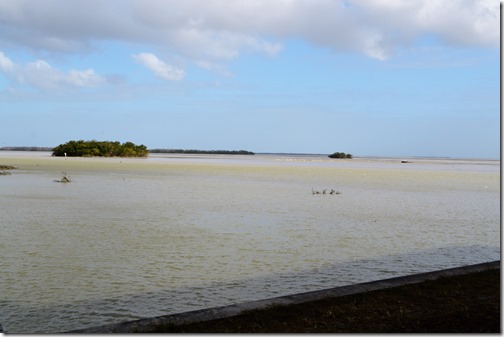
pixel 132 238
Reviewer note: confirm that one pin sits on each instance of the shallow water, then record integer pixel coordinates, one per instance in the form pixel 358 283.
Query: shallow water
pixel 133 238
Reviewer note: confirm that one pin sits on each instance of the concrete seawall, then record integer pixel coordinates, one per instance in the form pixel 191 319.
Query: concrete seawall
pixel 146 324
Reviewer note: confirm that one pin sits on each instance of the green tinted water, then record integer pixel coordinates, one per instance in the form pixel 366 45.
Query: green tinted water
pixel 132 238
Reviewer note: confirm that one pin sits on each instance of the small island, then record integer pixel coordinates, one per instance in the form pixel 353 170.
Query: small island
pixel 242 152
pixel 93 148
pixel 341 155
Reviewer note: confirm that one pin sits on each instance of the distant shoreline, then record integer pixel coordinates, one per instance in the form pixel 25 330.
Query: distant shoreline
pixel 50 149
pixel 26 148
pixel 179 151
pixel 368 157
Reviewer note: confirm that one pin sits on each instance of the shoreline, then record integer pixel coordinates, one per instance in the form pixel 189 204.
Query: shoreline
pixel 230 311
pixel 295 156
pixel 264 158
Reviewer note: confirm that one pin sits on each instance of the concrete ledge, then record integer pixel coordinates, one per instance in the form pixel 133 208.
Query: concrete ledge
pixel 146 324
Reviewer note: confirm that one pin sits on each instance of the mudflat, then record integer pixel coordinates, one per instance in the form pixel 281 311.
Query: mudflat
pixel 206 231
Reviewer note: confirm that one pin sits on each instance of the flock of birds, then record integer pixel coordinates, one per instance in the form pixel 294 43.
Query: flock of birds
pixel 332 192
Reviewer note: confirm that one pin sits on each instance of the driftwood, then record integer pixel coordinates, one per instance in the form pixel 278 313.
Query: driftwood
pixel 65 179
pixel 7 167
pixel 4 169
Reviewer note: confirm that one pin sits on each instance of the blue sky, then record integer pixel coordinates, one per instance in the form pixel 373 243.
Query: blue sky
pixel 368 77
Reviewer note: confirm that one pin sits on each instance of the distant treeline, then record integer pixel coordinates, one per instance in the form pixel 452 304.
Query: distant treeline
pixel 200 151
pixel 93 148
pixel 25 148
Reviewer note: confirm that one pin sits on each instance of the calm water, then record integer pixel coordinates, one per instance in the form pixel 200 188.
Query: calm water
pixel 133 238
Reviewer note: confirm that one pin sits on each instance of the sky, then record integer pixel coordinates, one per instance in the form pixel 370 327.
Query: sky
pixel 366 77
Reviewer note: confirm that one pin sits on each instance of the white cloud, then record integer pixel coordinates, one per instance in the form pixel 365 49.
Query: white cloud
pixel 215 31
pixel 6 64
pixel 43 76
pixel 159 67
pixel 467 23
pixel 85 78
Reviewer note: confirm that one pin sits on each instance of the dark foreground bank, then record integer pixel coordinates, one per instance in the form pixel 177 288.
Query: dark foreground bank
pixel 457 304
pixel 460 299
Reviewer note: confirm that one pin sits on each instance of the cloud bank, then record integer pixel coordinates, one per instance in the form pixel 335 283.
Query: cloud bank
pixel 213 31
pixel 43 76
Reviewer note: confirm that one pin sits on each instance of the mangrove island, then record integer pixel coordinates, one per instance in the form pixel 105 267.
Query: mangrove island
pixel 341 155
pixel 93 148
